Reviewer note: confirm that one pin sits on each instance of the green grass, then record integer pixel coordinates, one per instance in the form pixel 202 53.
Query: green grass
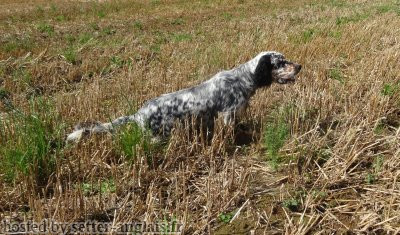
pixel 101 14
pixel 169 225
pixel 291 204
pixel 30 142
pixel 131 139
pixel 178 21
pixel 336 74
pixel 46 28
pixel 118 62
pixel 180 37
pixel 390 89
pixel 226 217
pixel 70 55
pixel 22 77
pixel 138 25
pixel 352 19
pixel 108 31
pixel 103 187
pixel 378 163
pixel 227 16
pixel 336 34
pixel 85 37
pixel 18 44
pixel 389 7
pixel 307 35
pixel 275 135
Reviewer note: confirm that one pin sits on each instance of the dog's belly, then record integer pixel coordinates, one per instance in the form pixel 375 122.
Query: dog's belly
pixel 159 115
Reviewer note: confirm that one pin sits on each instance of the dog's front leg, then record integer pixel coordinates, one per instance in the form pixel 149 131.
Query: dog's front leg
pixel 231 116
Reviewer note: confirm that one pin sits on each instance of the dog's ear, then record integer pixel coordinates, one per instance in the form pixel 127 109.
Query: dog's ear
pixel 262 74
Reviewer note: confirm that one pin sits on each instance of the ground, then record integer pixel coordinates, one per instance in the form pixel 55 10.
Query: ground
pixel 317 156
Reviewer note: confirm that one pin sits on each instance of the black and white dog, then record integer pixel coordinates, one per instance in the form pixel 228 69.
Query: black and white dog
pixel 226 93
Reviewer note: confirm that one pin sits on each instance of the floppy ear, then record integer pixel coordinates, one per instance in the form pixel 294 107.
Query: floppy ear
pixel 262 74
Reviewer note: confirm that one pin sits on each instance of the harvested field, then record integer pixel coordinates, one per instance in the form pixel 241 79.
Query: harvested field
pixel 318 156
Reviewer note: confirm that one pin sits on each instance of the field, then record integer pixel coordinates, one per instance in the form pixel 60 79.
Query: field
pixel 318 156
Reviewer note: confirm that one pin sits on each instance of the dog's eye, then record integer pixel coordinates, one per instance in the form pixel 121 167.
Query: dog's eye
pixel 280 64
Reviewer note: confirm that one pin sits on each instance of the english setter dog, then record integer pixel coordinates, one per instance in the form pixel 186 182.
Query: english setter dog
pixel 224 94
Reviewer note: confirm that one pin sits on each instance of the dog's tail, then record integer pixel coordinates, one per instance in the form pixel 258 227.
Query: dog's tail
pixel 88 128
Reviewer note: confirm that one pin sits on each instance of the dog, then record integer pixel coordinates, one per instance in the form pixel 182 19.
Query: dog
pixel 226 93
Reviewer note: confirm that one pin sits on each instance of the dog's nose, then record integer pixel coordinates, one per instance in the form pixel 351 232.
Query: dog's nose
pixel 298 67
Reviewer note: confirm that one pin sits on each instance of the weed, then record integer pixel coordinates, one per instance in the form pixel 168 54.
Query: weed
pixel 103 187
pixel 275 136
pixel 18 44
pixel 23 78
pixel 138 24
pixel 94 26
pixel 53 8
pixel 70 55
pixel 308 35
pixel 318 194
pixel 291 204
pixel 380 128
pixel 226 217
pixel 337 3
pixel 85 37
pixel 227 16
pixel 383 9
pixel 336 74
pixel 390 89
pixel 304 37
pixel 370 178
pixel 132 139
pixel 40 10
pixel 169 226
pixel 378 163
pixel 336 34
pixel 155 48
pixel 160 38
pixel 323 156
pixel 101 14
pixel 34 139
pixel 180 37
pixel 60 18
pixel 178 21
pixel 351 19
pixel 108 30
pixel 117 61
pixel 155 2
pixel 70 39
pixel 45 28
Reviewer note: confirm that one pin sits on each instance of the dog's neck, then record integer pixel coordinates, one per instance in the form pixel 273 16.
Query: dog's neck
pixel 247 72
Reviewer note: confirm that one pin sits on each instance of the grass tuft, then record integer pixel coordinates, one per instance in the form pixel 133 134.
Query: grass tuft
pixel 275 135
pixel 31 142
pixel 131 140
pixel 390 89
pixel 46 28
pixel 70 55
pixel 102 187
pixel 336 74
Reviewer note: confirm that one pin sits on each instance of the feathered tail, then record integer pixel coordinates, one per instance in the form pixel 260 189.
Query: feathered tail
pixel 88 128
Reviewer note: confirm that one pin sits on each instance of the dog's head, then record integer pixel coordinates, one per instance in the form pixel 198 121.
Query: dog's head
pixel 273 67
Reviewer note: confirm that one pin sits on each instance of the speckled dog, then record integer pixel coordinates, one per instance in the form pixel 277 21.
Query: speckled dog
pixel 226 93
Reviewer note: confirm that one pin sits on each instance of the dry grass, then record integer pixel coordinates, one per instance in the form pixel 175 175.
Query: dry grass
pixel 337 170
